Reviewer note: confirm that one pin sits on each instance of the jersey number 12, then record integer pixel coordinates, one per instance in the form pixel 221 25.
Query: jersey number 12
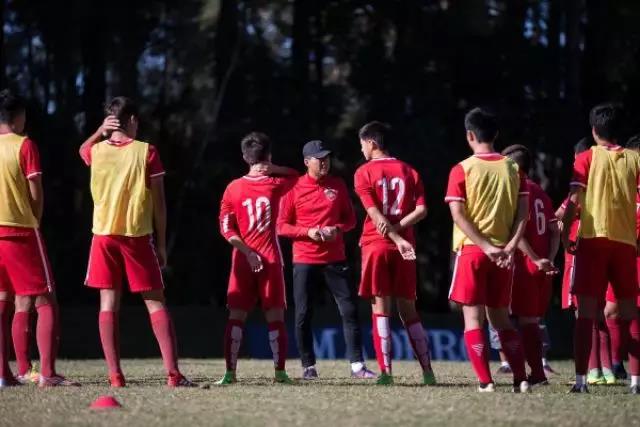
pixel 390 185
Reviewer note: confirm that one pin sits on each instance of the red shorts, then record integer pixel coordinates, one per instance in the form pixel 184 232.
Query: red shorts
pixel 568 300
pixel 386 274
pixel 610 297
pixel 24 265
pixel 600 261
pixel 531 289
pixel 479 281
pixel 111 257
pixel 246 287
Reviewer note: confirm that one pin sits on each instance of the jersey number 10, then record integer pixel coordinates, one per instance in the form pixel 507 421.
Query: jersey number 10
pixel 260 216
pixel 390 185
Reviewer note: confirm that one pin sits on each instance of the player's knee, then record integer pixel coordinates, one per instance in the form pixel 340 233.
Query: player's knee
pixel 274 315
pixel 24 302
pixel 45 299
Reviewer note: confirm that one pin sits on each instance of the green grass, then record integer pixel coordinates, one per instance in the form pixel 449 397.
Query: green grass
pixel 333 400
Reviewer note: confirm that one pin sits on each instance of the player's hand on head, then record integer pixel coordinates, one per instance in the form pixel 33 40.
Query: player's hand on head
pixel 265 168
pixel 109 124
pixel 255 262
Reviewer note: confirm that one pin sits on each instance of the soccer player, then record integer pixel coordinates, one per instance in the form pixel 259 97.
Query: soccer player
pixel 613 320
pixel 248 213
pixel 533 267
pixel 600 366
pixel 567 300
pixel 24 267
pixel 316 213
pixel 606 178
pixel 392 193
pixel 488 199
pixel 127 186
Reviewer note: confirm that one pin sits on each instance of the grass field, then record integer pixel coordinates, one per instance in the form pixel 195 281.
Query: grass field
pixel 333 400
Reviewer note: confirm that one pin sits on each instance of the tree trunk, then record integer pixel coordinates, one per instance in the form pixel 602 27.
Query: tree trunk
pixel 93 59
pixel 2 49
pixel 300 63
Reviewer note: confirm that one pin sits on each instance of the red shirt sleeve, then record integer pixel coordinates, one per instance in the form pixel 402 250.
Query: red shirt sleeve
pixel 85 153
pixel 581 168
pixel 30 159
pixel 456 188
pixel 364 189
pixel 419 190
pixel 286 224
pixel 347 214
pixel 228 224
pixel 154 164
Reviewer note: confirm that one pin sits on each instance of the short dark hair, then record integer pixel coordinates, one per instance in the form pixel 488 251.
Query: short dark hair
pixel 256 147
pixel 378 132
pixel 10 106
pixel 606 120
pixel 483 123
pixel 122 108
pixel 634 142
pixel 519 154
pixel 583 145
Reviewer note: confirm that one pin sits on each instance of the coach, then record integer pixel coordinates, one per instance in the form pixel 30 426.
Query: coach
pixel 315 214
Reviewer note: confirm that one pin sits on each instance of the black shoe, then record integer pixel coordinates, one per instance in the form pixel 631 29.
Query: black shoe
pixel 310 373
pixel 619 371
pixel 635 389
pixel 579 388
pixel 537 382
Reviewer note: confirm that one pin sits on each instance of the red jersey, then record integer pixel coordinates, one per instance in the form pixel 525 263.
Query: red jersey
pixel 247 210
pixel 540 216
pixel 29 159
pixel 392 186
pixel 316 203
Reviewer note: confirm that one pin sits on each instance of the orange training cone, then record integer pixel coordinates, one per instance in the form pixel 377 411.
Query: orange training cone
pixel 105 402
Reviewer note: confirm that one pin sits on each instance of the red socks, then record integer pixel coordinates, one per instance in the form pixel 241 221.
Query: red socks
pixel 582 344
pixel 47 337
pixel 419 343
pixel 20 331
pixel 164 332
pixel 604 345
pixel 512 349
pixel 381 332
pixel 232 341
pixel 617 344
pixel 532 342
pixel 5 314
pixel 110 338
pixel 476 346
pixel 279 343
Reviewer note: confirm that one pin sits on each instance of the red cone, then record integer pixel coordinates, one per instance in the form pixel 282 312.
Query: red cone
pixel 105 402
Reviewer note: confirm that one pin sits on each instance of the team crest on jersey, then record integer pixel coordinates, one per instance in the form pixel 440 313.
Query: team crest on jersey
pixel 330 193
